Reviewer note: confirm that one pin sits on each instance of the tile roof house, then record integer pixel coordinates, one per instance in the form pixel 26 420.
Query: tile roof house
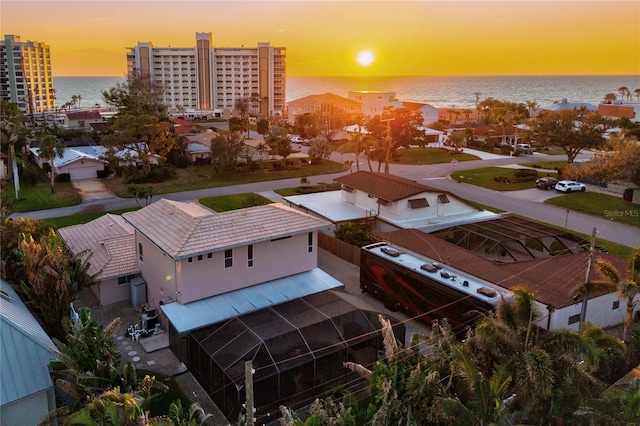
pixel 394 202
pixel 553 278
pixel 313 104
pixel 188 253
pixel 26 388
pixel 82 119
pixel 108 244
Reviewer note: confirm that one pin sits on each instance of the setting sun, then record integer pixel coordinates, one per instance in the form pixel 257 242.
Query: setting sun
pixel 365 58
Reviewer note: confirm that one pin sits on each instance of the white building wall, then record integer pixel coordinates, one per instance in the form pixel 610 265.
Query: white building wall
pixel 271 260
pixel 374 103
pixel 600 312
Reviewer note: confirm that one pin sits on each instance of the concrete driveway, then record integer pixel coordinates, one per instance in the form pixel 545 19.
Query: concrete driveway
pixel 92 190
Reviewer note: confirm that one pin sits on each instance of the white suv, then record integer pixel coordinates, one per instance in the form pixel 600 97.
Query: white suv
pixel 569 186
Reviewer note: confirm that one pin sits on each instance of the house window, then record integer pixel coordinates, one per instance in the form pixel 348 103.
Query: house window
pixel 140 251
pixel 310 243
pixel 228 258
pixel 418 203
pixel 250 256
pixel 616 305
pixel 190 260
pixel 200 257
pixel 574 319
pixel 443 199
pixel 125 279
pixel 209 255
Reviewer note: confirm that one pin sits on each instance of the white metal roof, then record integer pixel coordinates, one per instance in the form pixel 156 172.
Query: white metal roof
pixel 213 310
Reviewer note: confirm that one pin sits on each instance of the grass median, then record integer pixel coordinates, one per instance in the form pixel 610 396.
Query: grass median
pixel 601 205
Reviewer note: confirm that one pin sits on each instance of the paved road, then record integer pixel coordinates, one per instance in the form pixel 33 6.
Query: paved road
pixel 522 203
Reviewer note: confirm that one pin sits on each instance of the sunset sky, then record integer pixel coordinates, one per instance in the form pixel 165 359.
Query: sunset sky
pixel 324 38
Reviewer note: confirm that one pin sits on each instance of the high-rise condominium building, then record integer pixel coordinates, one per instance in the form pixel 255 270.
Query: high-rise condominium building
pixel 213 78
pixel 25 74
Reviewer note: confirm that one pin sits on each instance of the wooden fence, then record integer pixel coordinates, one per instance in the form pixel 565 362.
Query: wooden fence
pixel 339 248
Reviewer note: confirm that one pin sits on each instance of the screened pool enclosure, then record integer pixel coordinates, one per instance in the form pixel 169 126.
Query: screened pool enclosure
pixel 297 349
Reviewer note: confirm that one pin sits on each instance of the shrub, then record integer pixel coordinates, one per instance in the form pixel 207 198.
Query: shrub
pixel 525 175
pixel 63 177
pixel 505 149
pixel 104 173
pixel 161 173
pixel 354 233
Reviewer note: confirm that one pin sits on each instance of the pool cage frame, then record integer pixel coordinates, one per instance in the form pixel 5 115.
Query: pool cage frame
pixel 297 350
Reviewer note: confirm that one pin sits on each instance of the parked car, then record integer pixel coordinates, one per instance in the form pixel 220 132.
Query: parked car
pixel 546 182
pixel 524 148
pixel 295 139
pixel 569 186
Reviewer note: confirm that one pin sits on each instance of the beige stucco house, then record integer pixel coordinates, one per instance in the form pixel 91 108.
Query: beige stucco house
pixel 108 244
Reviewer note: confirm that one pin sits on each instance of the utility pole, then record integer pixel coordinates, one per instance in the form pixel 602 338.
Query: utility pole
pixel 248 385
pixel 585 295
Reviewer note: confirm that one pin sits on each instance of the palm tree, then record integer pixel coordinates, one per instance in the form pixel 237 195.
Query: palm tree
pixel 50 148
pixel 637 92
pixel 624 91
pixel 607 285
pixel 357 144
pixel 549 380
pixel 629 289
pixel 9 132
pixel 609 98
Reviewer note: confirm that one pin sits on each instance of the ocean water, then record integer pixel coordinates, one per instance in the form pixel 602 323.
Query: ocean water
pixel 440 92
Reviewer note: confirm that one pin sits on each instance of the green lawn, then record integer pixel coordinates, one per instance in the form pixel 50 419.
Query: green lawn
pixel 39 197
pixel 485 177
pixel 200 177
pixel 430 156
pixel 225 203
pixel 601 205
pixel 61 222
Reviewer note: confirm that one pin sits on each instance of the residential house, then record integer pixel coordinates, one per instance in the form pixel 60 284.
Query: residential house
pixel 458 116
pixel 374 102
pixel 508 252
pixel 431 135
pixel 390 201
pixel 197 151
pixel 26 389
pixel 108 244
pixel 81 162
pixel 82 119
pixel 565 104
pixel 429 113
pixel 188 253
pixel 324 103
pixel 620 109
pixel 242 285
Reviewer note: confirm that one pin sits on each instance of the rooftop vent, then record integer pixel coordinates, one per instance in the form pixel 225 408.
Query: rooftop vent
pixel 391 252
pixel 428 268
pixel 487 292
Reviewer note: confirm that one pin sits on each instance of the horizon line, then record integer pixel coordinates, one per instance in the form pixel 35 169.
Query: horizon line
pixel 411 75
